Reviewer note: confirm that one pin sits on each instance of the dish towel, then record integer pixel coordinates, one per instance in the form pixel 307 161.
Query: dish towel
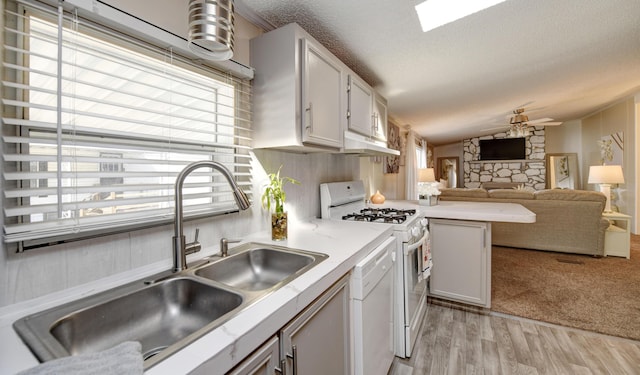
pixel 125 358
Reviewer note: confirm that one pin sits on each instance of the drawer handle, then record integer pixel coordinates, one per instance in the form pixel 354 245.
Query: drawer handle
pixel 282 370
pixel 310 111
pixel 294 358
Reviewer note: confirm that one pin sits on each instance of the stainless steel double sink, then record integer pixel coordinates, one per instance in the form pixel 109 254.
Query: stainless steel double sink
pixel 168 311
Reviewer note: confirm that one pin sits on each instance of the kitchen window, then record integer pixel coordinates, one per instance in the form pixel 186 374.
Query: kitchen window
pixel 97 125
pixel 421 154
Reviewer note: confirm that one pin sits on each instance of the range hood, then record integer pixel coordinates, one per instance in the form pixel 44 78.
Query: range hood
pixel 359 144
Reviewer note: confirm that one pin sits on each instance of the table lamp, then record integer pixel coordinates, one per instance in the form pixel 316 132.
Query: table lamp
pixel 605 175
pixel 427 189
pixel 426 175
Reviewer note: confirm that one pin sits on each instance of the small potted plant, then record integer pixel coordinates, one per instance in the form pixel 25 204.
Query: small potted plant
pixel 428 193
pixel 275 196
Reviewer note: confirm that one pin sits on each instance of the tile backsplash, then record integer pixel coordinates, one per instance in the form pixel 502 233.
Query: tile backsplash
pixel 39 272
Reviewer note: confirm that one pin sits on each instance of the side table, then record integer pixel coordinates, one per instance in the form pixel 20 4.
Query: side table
pixel 617 239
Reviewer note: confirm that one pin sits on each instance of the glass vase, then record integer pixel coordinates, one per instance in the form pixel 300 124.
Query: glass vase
pixel 279 226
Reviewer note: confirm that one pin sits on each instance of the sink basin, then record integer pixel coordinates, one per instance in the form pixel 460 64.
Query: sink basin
pixel 157 316
pixel 169 311
pixel 259 268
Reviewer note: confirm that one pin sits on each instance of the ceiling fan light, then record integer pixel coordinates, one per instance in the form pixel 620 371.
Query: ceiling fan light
pixel 518 119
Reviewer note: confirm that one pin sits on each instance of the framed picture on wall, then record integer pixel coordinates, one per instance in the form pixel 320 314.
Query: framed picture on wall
pixel 392 163
pixel 561 168
pixel 430 162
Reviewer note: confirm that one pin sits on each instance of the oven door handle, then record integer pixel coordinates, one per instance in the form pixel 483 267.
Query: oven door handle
pixel 417 244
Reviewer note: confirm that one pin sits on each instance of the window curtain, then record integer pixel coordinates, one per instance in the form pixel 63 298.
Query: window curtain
pixel 411 167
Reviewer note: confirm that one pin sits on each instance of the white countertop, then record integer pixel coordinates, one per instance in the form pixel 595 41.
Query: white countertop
pixel 475 211
pixel 219 350
pixel 479 211
pixel 345 242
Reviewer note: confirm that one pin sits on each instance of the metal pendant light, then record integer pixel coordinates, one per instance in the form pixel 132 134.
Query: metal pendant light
pixel 211 28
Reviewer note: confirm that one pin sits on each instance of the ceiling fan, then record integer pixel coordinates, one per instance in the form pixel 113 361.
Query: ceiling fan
pixel 519 123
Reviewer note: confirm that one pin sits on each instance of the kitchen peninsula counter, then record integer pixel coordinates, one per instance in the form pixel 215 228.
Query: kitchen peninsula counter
pixel 345 242
pixel 479 211
pixel 461 247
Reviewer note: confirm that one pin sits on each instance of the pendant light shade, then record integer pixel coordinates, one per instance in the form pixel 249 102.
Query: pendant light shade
pixel 211 28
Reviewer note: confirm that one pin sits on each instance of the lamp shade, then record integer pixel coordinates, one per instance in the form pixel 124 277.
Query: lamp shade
pixel 605 174
pixel 426 175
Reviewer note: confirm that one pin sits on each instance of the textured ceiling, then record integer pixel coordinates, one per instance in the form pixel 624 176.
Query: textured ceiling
pixel 565 58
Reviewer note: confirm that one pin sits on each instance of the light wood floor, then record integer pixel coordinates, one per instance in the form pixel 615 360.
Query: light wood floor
pixel 458 342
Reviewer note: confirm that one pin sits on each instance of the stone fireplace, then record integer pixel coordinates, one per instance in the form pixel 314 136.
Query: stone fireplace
pixel 529 172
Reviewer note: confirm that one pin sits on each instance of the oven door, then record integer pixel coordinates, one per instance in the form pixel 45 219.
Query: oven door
pixel 415 291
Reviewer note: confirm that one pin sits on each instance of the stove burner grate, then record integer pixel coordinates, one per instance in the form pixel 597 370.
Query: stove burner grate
pixel 380 215
pixel 387 211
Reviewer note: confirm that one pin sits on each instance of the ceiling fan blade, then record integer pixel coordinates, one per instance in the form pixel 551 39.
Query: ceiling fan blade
pixel 526 105
pixel 545 119
pixel 496 128
pixel 553 123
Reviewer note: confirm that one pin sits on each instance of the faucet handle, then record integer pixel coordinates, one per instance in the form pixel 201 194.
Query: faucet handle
pixel 195 246
pixel 224 246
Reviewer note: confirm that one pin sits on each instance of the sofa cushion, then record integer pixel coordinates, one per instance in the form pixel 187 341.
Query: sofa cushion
pixel 464 192
pixel 570 195
pixel 510 194
pixel 501 185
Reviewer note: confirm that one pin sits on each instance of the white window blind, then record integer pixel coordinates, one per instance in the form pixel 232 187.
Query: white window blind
pixel 96 127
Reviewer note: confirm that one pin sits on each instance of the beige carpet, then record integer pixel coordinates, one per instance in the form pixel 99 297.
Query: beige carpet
pixel 579 291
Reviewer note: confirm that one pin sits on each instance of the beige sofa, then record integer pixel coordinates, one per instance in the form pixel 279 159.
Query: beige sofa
pixel 567 221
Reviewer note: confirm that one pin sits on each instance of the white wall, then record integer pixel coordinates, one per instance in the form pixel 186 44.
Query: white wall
pixel 564 138
pixel 391 185
pixel 620 117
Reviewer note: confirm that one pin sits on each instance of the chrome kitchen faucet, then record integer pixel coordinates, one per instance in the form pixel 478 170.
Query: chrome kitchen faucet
pixel 179 244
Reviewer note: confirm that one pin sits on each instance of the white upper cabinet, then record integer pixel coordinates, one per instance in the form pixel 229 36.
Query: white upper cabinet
pixel 321 96
pixel 380 118
pixel 360 106
pixel 298 91
pixel 366 109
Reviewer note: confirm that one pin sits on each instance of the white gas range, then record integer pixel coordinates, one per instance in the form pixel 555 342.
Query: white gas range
pixel 347 201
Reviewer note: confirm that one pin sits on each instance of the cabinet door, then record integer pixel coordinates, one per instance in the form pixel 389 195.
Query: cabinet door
pixel 317 341
pixel 322 86
pixel 359 114
pixel 380 118
pixel 264 361
pixel 461 253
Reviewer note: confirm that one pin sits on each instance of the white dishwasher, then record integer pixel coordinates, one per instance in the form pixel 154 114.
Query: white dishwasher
pixel 372 311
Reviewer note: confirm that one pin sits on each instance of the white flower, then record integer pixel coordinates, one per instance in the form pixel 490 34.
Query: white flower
pixel 428 188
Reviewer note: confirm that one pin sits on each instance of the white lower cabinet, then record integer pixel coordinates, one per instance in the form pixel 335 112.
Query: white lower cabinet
pixel 315 342
pixel 264 361
pixel 461 253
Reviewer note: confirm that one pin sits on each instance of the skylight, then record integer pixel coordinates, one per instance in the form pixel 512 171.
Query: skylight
pixel 435 13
